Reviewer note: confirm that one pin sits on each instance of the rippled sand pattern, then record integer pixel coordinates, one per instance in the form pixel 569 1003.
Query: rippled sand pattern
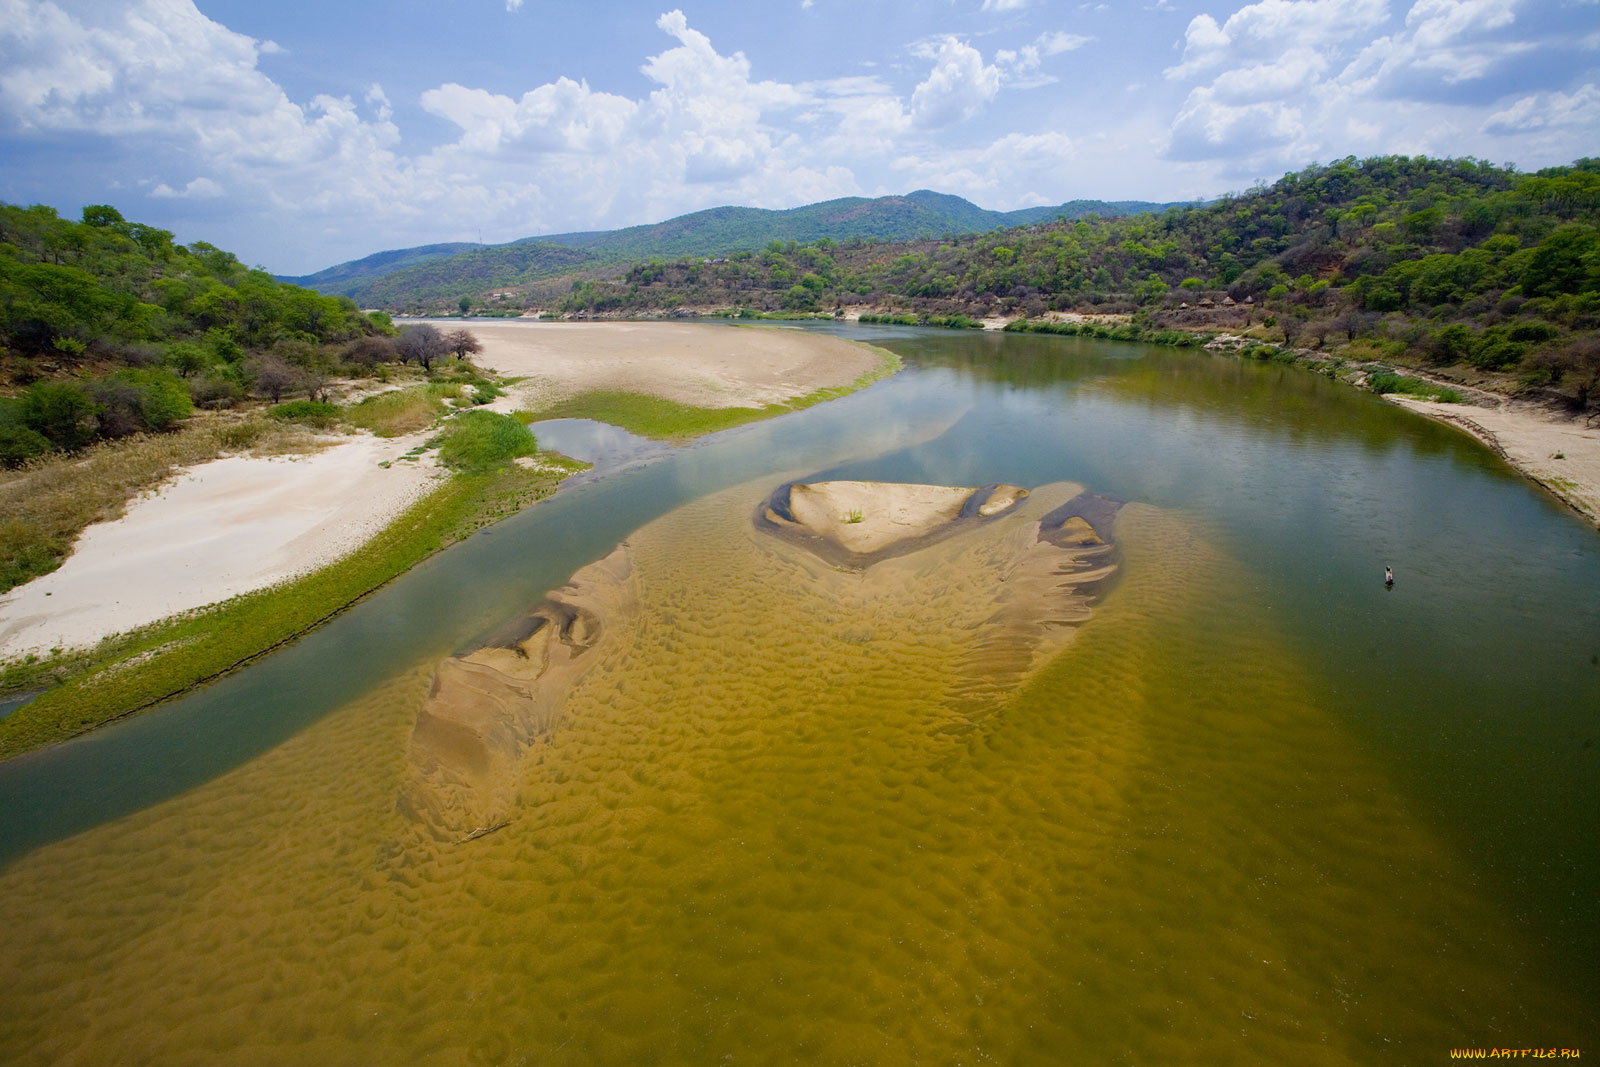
pixel 759 838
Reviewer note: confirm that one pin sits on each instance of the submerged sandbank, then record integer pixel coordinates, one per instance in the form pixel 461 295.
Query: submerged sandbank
pixel 997 579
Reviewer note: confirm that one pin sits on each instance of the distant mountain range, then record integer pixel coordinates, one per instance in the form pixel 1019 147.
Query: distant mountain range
pixel 445 272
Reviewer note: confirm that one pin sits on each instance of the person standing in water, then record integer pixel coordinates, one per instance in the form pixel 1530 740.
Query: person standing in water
pixel 1388 577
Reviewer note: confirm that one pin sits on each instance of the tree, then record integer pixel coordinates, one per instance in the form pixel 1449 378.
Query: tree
pixel 102 215
pixel 422 343
pixel 61 412
pixel 462 343
pixel 371 350
pixel 273 377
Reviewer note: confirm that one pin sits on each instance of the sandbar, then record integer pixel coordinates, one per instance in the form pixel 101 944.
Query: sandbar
pixel 703 365
pixel 858 523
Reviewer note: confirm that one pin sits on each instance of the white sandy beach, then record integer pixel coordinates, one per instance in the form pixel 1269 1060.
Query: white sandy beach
pixel 244 523
pixel 217 530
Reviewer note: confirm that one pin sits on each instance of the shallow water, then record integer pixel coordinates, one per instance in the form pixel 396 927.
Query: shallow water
pixel 1258 809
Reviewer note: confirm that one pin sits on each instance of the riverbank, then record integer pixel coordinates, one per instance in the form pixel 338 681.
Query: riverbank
pixel 141 609
pixel 215 531
pixel 1556 451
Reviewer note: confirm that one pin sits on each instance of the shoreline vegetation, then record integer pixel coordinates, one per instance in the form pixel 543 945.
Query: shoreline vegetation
pixel 496 471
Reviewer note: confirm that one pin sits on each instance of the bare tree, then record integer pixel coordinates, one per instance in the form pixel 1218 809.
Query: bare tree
pixel 370 351
pixel 274 377
pixel 462 343
pixel 422 343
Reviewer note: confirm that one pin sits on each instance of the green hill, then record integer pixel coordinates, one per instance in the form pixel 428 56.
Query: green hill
pixel 109 328
pixel 346 277
pixel 438 275
pixel 1447 262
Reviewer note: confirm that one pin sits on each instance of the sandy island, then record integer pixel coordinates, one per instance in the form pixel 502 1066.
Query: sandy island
pixel 244 523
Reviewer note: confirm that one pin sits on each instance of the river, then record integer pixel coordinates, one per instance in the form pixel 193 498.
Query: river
pixel 1261 808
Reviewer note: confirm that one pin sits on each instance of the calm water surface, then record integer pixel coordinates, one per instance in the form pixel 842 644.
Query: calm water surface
pixel 1261 809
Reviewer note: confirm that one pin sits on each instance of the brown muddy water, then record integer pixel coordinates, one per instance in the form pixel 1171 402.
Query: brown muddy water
pixel 1234 803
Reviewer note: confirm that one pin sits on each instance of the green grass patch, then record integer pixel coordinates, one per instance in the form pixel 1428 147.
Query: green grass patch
pixel 483 441
pixel 647 416
pixel 772 316
pixel 132 671
pixel 312 412
pixel 668 420
pixel 949 322
pixel 1126 331
pixel 1389 382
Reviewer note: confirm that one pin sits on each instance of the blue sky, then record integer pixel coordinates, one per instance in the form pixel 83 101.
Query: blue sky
pixel 301 134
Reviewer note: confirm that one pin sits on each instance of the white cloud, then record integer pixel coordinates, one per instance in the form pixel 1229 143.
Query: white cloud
pixel 1016 160
pixel 1295 80
pixel 1443 44
pixel 1290 75
pixel 1545 111
pixel 1019 65
pixel 1262 30
pixel 563 116
pixel 1207 127
pixel 957 88
pixel 1054 42
pixel 513 5
pixel 1005 5
pixel 198 189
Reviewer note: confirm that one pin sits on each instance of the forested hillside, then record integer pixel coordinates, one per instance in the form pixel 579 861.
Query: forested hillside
pixel 1444 261
pixel 435 277
pixel 107 328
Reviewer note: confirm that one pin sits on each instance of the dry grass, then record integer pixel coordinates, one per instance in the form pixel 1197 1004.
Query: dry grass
pixel 44 506
pixel 402 411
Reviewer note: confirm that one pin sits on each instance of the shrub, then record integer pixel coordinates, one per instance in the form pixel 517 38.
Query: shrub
pixel 163 398
pixel 61 412
pixel 483 440
pixel 133 401
pixel 370 351
pixel 18 444
pixel 215 391
pixel 311 411
pixel 1390 382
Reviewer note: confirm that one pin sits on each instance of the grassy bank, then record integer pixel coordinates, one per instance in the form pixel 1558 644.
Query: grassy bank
pixel 653 416
pixel 132 671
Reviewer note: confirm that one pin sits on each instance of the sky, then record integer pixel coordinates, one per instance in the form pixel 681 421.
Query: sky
pixel 301 134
